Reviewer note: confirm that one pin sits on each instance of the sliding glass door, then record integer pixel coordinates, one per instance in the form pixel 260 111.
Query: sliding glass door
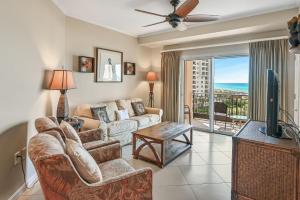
pixel 198 92
pixel 216 91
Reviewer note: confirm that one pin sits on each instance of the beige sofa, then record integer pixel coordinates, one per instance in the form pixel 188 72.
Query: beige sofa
pixel 120 130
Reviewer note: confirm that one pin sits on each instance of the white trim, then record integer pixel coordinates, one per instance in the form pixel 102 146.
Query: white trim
pixel 31 181
pixel 225 44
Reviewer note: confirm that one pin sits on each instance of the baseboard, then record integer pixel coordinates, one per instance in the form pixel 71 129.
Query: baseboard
pixel 31 181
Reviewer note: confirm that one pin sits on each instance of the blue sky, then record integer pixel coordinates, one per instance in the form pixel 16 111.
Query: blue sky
pixel 232 70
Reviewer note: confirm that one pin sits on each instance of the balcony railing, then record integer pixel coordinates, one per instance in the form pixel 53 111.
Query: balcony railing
pixel 237 104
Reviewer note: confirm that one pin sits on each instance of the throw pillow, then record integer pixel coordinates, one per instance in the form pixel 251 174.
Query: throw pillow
pixel 139 108
pixel 122 114
pixel 83 162
pixel 100 113
pixel 70 132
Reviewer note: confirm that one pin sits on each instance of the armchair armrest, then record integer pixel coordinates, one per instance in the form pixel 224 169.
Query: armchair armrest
pixel 106 153
pixel 156 111
pixel 133 185
pixel 99 143
pixel 93 135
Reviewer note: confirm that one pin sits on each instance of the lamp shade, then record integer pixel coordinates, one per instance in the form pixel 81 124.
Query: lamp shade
pixel 62 80
pixel 151 76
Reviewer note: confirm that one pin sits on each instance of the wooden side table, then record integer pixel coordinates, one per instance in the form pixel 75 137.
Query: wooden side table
pixel 76 123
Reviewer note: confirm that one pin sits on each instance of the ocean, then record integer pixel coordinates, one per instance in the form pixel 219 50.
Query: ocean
pixel 240 87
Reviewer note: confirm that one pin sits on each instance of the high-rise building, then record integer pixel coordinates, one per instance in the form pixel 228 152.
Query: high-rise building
pixel 201 77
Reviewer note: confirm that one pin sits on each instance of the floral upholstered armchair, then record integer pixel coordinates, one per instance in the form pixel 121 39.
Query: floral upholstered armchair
pixel 60 178
pixel 90 139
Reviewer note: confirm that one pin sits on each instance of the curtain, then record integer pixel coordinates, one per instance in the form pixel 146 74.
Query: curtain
pixel 267 55
pixel 170 85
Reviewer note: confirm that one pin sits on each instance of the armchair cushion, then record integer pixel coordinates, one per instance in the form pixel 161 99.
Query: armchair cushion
pixel 70 132
pixel 83 162
pixel 117 127
pixel 114 168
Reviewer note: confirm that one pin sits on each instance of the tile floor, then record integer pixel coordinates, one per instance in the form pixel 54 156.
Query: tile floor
pixel 202 173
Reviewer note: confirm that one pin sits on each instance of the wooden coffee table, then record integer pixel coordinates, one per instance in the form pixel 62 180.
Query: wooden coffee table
pixel 162 143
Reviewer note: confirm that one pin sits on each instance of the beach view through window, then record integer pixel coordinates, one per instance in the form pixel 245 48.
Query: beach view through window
pixel 231 74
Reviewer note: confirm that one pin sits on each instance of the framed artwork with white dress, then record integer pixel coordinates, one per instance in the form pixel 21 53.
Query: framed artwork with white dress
pixel 109 65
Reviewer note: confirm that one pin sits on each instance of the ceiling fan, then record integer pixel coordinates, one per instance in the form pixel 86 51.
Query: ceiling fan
pixel 181 14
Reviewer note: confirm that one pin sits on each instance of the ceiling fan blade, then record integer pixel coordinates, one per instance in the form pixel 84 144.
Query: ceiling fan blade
pixel 201 18
pixel 151 13
pixel 155 23
pixel 186 8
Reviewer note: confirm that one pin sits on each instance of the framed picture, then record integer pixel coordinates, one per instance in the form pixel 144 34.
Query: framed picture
pixel 86 64
pixel 109 65
pixel 129 68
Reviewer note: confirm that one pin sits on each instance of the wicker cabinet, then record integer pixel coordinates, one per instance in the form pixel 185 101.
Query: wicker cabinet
pixel 264 168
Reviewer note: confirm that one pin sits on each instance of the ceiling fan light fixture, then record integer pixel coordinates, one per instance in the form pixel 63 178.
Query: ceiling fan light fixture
pixel 181 26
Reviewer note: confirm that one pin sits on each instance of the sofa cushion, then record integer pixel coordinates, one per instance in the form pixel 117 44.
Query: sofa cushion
pixel 83 162
pixel 126 104
pixel 146 120
pixel 111 108
pixel 70 132
pixel 118 127
pixel 114 168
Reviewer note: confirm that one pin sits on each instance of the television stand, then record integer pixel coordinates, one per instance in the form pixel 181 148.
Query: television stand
pixel 264 167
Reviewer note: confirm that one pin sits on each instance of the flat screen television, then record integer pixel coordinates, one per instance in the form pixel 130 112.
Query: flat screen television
pixel 272 104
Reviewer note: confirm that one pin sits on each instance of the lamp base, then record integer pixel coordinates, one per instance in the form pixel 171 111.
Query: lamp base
pixel 151 95
pixel 62 107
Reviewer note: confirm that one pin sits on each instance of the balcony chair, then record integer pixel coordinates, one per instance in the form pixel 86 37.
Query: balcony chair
pixel 187 111
pixel 221 112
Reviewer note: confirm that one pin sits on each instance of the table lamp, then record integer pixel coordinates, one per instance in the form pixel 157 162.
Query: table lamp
pixel 151 78
pixel 62 80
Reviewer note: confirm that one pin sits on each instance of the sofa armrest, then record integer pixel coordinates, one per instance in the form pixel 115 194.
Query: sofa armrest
pixel 133 185
pixel 156 111
pixel 90 124
pixel 106 153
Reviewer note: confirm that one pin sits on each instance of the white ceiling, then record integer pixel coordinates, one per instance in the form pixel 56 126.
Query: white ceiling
pixel 119 15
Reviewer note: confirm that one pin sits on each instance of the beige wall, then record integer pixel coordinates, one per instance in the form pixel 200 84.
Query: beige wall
pixel 35 37
pixel 82 39
pixel 32 40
